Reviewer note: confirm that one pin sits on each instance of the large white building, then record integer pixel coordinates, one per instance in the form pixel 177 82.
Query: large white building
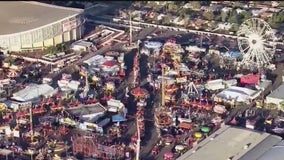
pixel 34 25
pixel 231 143
pixel 277 95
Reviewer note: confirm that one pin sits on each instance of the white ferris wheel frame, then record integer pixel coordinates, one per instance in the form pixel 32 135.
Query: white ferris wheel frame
pixel 256 41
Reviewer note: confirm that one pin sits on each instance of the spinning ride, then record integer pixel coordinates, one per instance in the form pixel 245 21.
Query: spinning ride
pixel 139 92
pixel 12 74
pixel 256 42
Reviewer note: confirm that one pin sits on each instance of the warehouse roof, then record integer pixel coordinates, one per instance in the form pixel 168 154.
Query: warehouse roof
pixel 33 91
pixel 263 151
pixel 20 16
pixel 230 142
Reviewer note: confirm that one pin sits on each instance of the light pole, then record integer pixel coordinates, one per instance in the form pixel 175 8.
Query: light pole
pixel 130 28
pixel 66 149
pixel 138 140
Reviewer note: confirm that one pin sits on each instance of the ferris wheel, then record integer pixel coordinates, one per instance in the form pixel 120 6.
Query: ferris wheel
pixel 256 42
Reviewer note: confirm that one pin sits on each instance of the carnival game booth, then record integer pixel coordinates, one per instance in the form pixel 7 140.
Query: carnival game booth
pixel 168 80
pixel 7 131
pixel 67 84
pixel 110 66
pixel 115 106
pixel 103 63
pixel 95 127
pixel 236 94
pixel 7 114
pixel 195 49
pixel 219 84
pixel 82 45
pixel 151 48
pixel 214 85
pixel 152 45
pixel 94 61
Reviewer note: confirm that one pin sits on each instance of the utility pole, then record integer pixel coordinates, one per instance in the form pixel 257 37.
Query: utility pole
pixel 31 123
pixel 66 149
pixel 130 29
pixel 201 39
pixel 138 140
pixel 163 85
pixel 31 126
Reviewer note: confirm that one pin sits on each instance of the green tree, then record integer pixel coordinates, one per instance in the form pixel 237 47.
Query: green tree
pixel 59 47
pixel 237 4
pixel 184 13
pixel 281 106
pixel 208 15
pixel 234 28
pixel 181 12
pixel 224 16
pixel 281 3
pixel 50 50
pixel 218 18
pixel 245 15
pixel 172 7
pixel 195 4
pixel 153 5
pixel 166 20
pixel 186 21
pixel 233 18
pixel 276 19
pixel 9 60
pixel 179 3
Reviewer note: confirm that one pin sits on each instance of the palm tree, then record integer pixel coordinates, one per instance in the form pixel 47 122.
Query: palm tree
pixel 271 106
pixel 281 106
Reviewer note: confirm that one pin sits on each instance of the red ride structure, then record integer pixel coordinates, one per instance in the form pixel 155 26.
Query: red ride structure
pixel 135 69
pixel 97 146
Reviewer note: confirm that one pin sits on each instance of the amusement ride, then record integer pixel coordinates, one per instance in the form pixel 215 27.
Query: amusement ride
pixel 256 42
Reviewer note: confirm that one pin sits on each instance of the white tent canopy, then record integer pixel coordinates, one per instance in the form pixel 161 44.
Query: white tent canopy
pixel 238 94
pixel 33 91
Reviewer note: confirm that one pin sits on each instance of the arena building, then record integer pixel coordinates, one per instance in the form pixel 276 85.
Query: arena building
pixel 34 25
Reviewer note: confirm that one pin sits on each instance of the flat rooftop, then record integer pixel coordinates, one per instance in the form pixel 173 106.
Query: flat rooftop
pixel 20 16
pixel 229 142
pixel 86 109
